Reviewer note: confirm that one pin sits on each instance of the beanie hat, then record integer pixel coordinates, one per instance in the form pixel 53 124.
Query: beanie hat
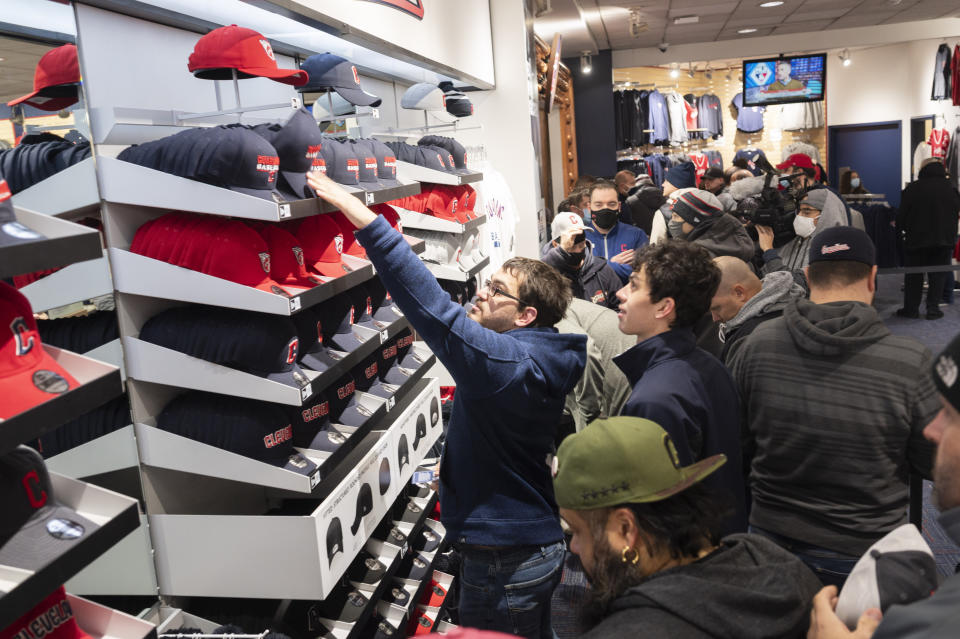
pixel 817 198
pixel 682 176
pixel 697 205
pixel 945 372
pixel 597 467
pixel 843 243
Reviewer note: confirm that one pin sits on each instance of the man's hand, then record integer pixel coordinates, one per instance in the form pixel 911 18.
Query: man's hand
pixel 825 624
pixel 567 241
pixel 355 211
pixel 626 257
pixel 765 238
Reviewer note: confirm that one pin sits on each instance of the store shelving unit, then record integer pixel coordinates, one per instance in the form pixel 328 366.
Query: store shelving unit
pixel 64 243
pixel 71 193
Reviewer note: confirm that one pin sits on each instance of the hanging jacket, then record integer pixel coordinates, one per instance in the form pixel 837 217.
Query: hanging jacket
pixel 747 587
pixel 594 281
pixel 620 238
pixel 929 208
pixel 723 235
pixel 942 74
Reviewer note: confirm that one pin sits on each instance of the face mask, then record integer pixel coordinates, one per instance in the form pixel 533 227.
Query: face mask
pixel 572 260
pixel 803 226
pixel 605 218
pixel 676 229
pixel 855 182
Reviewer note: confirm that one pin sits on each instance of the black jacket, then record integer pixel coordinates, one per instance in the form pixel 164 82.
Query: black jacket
pixel 595 281
pixel 928 210
pixel 640 207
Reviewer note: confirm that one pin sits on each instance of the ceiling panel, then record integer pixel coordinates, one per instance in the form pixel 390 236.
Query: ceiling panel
pixel 820 14
pixel 862 19
pixel 802 27
pixel 731 34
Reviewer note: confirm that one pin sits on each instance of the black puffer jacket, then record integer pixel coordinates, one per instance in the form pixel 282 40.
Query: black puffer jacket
pixel 640 207
pixel 928 210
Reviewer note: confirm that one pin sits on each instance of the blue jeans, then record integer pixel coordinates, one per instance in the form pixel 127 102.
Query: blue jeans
pixel 831 567
pixel 508 589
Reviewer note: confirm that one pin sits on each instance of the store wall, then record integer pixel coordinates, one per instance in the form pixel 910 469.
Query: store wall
pixel 889 83
pixel 593 105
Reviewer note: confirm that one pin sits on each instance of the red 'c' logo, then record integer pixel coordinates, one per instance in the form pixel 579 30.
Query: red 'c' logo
pixel 36 495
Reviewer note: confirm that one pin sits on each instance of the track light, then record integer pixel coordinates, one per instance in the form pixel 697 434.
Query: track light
pixel 674 70
pixel 845 58
pixel 709 72
pixel 586 63
pixel 690 69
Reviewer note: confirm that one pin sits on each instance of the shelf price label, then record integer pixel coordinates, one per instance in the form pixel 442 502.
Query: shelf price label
pixel 384 335
pixel 369 197
pixel 305 393
pixel 295 304
pixel 391 402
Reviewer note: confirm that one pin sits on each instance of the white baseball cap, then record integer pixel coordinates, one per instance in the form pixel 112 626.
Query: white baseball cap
pixel 565 221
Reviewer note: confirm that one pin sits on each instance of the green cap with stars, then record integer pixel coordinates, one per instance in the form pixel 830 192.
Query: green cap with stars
pixel 623 460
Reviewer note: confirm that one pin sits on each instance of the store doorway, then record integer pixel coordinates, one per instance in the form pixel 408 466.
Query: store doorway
pixel 874 151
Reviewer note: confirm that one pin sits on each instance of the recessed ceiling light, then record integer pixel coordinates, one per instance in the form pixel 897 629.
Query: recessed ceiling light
pixel 771 3
pixel 750 30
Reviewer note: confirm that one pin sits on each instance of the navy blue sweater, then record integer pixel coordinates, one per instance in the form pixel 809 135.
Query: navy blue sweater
pixel 692 396
pixel 622 237
pixel 495 483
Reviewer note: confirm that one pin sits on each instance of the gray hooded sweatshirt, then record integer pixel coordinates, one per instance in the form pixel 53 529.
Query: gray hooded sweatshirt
pixel 795 254
pixel 778 289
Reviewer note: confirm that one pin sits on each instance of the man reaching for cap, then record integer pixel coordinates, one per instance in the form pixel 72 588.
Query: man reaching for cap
pixel 647 536
pixel 513 371
pixel 834 409
pixel 937 617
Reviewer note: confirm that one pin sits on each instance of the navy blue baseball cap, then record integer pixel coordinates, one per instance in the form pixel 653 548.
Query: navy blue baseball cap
pixel 366 373
pixel 386 162
pixel 258 343
pixel 458 104
pixel 383 308
pixel 344 165
pixel 445 156
pixel 231 157
pixel 258 430
pixel 432 158
pixel 328 71
pixel 313 354
pixel 403 151
pixel 337 318
pixel 367 159
pixel 454 148
pixel 299 145
pixel 363 307
pixel 344 407
pixel 312 427
pixel 843 243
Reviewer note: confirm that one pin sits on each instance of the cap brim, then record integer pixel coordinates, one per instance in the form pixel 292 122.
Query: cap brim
pixel 411 361
pixel 25 390
pixel 298 464
pixel 44 103
pixel 298 184
pixel 295 377
pixel 346 342
pixel 295 77
pixel 318 359
pixel 351 415
pixel 276 288
pixel 380 390
pixel 331 269
pixel 397 375
pixel 270 195
pixel 358 97
pixel 34 544
pixel 691 475
pixel 372 323
pixel 327 440
pixel 388 313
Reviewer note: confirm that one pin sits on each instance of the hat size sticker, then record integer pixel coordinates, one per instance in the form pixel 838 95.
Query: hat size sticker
pixel 65 529
pixel 50 382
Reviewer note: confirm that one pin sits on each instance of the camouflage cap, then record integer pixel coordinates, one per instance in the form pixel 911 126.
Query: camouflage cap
pixel 623 460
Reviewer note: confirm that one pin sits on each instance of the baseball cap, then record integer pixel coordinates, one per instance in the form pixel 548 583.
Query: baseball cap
pixel 258 343
pixel 843 243
pixel 237 253
pixel 563 222
pixel 322 243
pixel 337 317
pixel 596 467
pixel 390 214
pixel 331 106
pixel 224 49
pixel 254 429
pixel 419 565
pixel 298 143
pixel 435 594
pixel 345 165
pixel 362 301
pixel 411 512
pixel 424 96
pixel 816 198
pixel 458 104
pixel 55 80
pixel 287 263
pixel 53 615
pixel 397 595
pixel 426 540
pixel 367 162
pixel 403 452
pixel 344 408
pixel 386 162
pixel 697 205
pixel 328 71
pixel 454 148
pixel 431 158
pixel 34 523
pixel 366 569
pixel 801 160
pixel 11 231
pixel 898 569
pixel 313 354
pixel 344 604
pixel 29 376
pixel 403 151
pixel 711 173
pixel 383 308
pixel 364 506
pixel 420 431
pixel 364 372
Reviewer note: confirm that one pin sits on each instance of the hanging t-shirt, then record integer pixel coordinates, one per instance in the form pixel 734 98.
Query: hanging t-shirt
pixel 801 115
pixel 751 156
pixel 659 121
pixel 939 141
pixel 710 117
pixel 716 160
pixel 749 119
pixel 701 163
pixel 690 106
pixel 678 118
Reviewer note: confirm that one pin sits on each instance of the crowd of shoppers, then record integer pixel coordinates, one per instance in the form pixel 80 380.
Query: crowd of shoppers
pixel 706 494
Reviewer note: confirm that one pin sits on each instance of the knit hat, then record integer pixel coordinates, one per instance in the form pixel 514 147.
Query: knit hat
pixel 597 467
pixel 817 198
pixel 697 205
pixel 682 176
pixel 946 372
pixel 843 243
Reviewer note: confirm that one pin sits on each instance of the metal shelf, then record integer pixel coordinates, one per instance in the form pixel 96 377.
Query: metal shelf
pixel 100 622
pixel 445 272
pixel 410 171
pixel 65 243
pixel 70 193
pixel 74 283
pixel 99 383
pixel 27 577
pixel 414 220
pixel 105 454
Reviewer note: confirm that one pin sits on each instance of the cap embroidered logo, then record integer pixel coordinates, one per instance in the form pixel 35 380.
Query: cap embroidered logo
pixel 278 437
pixel 947 370
pixel 36 495
pixel 313 150
pixel 346 390
pixel 268 50
pixel 5 193
pixel 835 248
pixel 292 348
pixel 20 328
pixel 671 450
pixel 265 262
pixel 356 78
pixel 298 255
pixel 369 306
pixel 319 332
pixel 269 164
pixel 338 242
pixel 316 412
pixel 319 165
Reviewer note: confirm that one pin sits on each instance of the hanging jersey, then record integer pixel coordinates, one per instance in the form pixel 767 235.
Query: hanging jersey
pixel 939 141
pixel 701 163
pixel 749 119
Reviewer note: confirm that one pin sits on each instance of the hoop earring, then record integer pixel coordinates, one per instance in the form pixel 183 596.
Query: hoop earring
pixel 636 556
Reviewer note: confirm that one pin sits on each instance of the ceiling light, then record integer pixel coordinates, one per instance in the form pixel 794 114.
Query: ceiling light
pixel 686 20
pixel 771 3
pixel 675 71
pixel 750 30
pixel 845 58
pixel 586 63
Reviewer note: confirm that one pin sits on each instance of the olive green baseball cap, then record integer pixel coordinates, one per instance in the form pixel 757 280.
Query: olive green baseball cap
pixel 623 460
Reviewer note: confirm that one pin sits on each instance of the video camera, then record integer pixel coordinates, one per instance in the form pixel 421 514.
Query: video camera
pixel 774 206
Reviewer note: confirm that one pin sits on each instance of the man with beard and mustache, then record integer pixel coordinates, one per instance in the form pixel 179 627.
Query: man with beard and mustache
pixel 937 617
pixel 513 370
pixel 647 536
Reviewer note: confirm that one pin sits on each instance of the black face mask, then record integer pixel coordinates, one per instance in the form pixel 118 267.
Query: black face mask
pixel 605 218
pixel 572 260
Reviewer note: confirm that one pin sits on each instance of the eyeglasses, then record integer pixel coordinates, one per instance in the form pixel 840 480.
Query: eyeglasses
pixel 496 290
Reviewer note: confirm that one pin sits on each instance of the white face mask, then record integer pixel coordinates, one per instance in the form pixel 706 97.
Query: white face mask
pixel 804 226
pixel 855 182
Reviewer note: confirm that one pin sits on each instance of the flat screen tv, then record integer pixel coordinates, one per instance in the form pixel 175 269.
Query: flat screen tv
pixel 783 80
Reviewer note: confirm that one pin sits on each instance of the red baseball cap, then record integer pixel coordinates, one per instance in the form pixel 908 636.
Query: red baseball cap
pixel 390 213
pixel 163 237
pixel 801 160
pixel 57 68
pixel 322 243
pixel 238 254
pixel 444 204
pixel 52 618
pixel 350 244
pixel 29 376
pixel 245 50
pixel 287 263
pixel 195 242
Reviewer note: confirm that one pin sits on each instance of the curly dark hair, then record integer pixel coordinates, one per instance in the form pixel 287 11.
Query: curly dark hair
pixel 542 287
pixel 681 270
